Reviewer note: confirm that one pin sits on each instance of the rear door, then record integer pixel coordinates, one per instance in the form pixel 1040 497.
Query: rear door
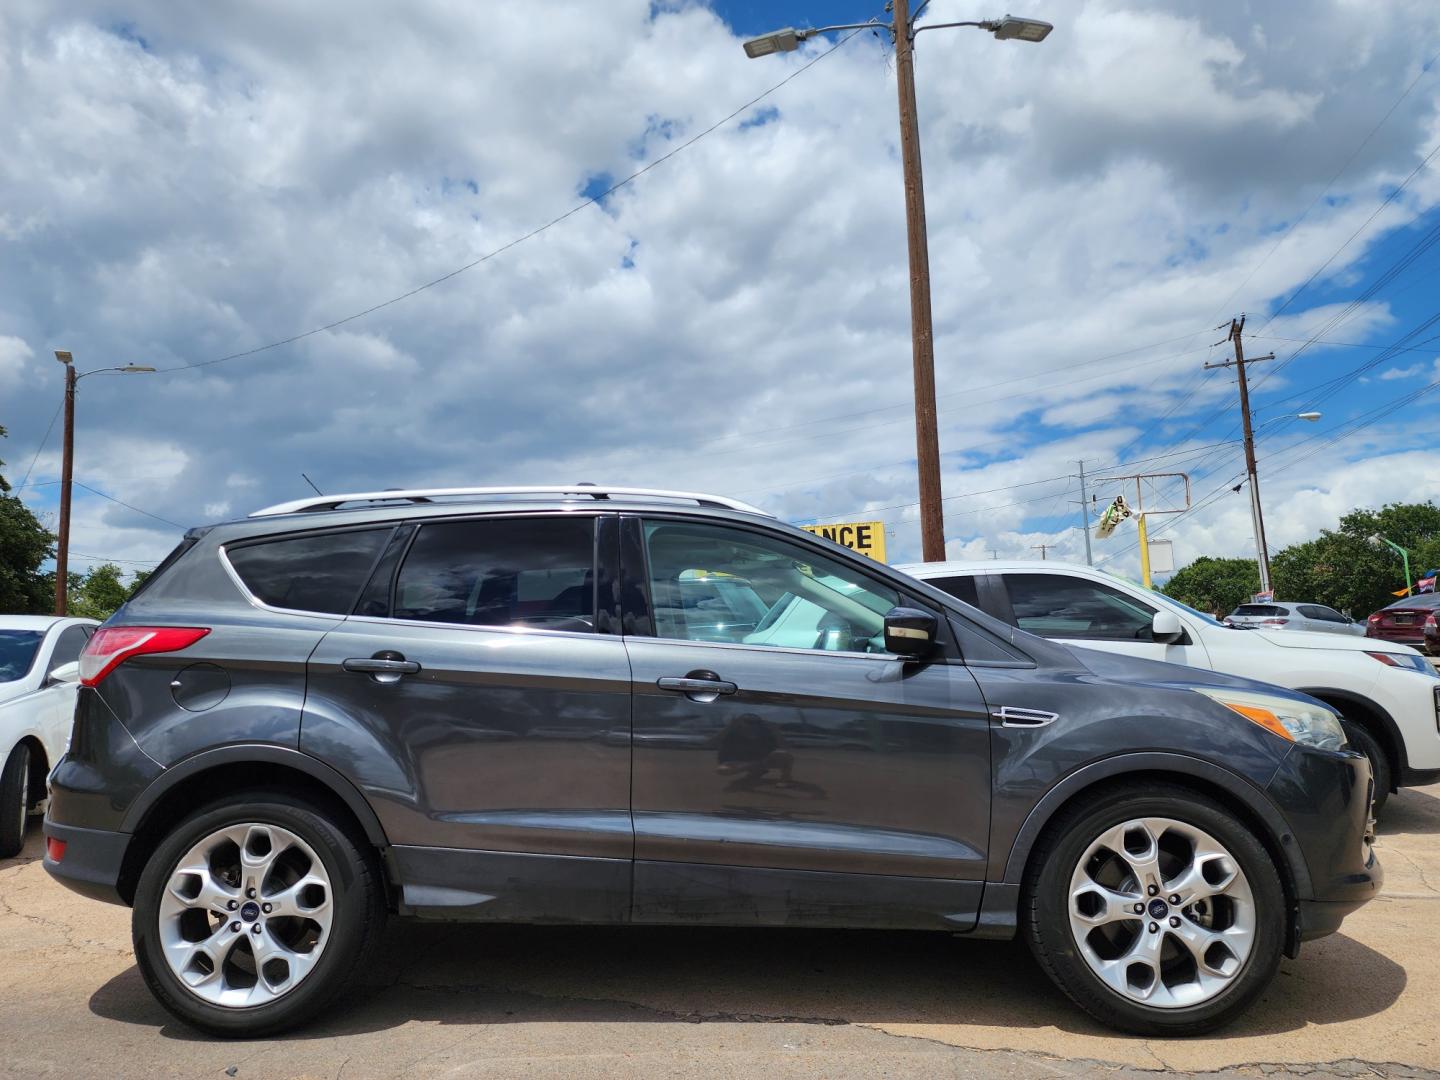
pixel 787 769
pixel 473 700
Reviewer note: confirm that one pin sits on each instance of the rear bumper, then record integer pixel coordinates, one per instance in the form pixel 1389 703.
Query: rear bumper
pixel 91 862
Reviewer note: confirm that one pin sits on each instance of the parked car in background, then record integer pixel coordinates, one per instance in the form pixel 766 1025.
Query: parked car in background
pixel 1388 694
pixel 1432 635
pixel 1316 618
pixel 713 718
pixel 1404 620
pixel 36 708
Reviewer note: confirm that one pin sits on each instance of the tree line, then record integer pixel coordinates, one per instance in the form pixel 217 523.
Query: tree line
pixel 25 589
pixel 1342 568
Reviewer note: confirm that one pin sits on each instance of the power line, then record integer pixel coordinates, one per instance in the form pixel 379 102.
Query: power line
pixel 590 201
pixel 43 440
pixel 128 506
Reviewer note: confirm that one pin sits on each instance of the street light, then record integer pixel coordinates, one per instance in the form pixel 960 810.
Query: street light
pixel 67 467
pixel 1376 538
pixel 902 33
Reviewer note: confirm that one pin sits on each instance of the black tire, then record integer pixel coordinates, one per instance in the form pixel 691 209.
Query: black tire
pixel 1361 739
pixel 14 801
pixel 358 919
pixel 1047 891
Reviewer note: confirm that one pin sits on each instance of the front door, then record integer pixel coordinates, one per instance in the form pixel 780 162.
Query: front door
pixel 786 768
pixel 487 721
pixel 1080 611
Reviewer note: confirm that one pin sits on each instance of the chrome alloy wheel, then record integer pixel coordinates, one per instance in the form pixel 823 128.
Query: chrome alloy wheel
pixel 1162 913
pixel 245 915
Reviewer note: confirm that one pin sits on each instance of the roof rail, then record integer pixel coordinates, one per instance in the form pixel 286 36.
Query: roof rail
pixel 318 503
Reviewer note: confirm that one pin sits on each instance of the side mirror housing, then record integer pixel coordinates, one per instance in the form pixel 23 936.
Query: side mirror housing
pixel 910 632
pixel 1166 627
pixel 64 673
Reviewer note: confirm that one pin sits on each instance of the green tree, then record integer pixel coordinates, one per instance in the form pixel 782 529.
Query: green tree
pixel 98 593
pixel 1214 585
pixel 24 545
pixel 1345 569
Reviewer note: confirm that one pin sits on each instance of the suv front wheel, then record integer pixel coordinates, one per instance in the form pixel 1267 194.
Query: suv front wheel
pixel 1156 910
pixel 255 912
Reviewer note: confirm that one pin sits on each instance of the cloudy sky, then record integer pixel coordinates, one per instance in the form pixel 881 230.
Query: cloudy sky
pixel 184 185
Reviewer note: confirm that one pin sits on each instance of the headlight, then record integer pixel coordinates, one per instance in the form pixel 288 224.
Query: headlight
pixel 1309 725
pixel 1408 661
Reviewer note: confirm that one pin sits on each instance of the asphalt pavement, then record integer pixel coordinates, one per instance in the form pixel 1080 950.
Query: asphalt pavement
pixel 574 1002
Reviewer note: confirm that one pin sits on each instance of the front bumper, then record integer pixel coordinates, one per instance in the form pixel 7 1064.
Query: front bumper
pixel 1326 799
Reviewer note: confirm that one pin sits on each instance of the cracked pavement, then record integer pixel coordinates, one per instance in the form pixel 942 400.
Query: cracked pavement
pixel 492 1001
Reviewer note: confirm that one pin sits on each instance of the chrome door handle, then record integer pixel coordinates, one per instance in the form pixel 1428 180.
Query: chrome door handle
pixel 385 667
pixel 702 686
pixel 690 686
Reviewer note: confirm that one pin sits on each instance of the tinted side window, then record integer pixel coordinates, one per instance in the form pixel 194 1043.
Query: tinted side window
pixel 713 583
pixel 1318 611
pixel 534 572
pixel 323 572
pixel 962 588
pixel 67 648
pixel 1053 605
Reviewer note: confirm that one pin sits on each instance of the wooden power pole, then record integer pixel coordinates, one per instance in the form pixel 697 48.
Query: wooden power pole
pixel 922 332
pixel 1257 518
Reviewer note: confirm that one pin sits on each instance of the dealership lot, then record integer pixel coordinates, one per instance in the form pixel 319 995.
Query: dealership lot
pixel 567 1001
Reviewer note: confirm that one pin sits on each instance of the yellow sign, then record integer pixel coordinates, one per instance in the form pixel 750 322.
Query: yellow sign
pixel 866 537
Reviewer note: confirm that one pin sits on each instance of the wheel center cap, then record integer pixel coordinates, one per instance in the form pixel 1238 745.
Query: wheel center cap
pixel 250 911
pixel 1159 908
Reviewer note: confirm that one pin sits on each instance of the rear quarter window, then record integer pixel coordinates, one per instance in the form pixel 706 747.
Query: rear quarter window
pixel 959 586
pixel 322 572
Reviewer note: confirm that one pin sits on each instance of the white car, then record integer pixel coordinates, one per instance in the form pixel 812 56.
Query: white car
pixel 1387 694
pixel 1313 617
pixel 38 654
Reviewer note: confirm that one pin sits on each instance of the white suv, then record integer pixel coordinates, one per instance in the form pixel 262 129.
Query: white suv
pixel 1388 694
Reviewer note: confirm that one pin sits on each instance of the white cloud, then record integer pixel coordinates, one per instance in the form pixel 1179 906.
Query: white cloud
pixel 204 180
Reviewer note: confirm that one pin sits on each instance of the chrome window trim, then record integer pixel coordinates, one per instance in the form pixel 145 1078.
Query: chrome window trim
pixel 769 649
pixel 536 631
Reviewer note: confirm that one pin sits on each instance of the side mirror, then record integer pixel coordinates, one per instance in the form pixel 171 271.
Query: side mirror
pixel 1166 627
pixel 64 673
pixel 909 631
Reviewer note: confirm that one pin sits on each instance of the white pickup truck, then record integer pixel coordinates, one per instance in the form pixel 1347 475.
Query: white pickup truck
pixel 1387 694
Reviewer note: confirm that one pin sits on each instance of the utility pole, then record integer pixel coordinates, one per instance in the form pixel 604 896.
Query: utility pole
pixel 1042 548
pixel 67 470
pixel 922 333
pixel 1085 515
pixel 1262 551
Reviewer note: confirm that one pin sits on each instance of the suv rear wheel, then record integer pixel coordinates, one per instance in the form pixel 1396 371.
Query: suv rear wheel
pixel 254 913
pixel 1156 910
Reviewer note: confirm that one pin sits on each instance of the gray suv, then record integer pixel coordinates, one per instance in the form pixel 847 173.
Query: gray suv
pixel 606 705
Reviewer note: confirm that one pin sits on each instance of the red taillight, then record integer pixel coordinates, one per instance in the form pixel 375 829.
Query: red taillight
pixel 54 849
pixel 111 647
pixel 1374 618
pixel 1273 622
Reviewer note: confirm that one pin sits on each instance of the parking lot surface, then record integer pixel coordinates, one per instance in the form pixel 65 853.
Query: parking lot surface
pixel 576 1002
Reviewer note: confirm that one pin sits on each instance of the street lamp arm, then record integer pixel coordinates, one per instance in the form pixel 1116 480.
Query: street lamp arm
pixel 813 31
pixel 128 369
pixel 944 25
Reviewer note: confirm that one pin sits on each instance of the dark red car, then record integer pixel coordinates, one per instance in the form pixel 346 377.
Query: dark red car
pixel 1404 621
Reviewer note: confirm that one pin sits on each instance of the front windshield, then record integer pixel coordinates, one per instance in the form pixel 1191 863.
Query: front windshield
pixel 17 653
